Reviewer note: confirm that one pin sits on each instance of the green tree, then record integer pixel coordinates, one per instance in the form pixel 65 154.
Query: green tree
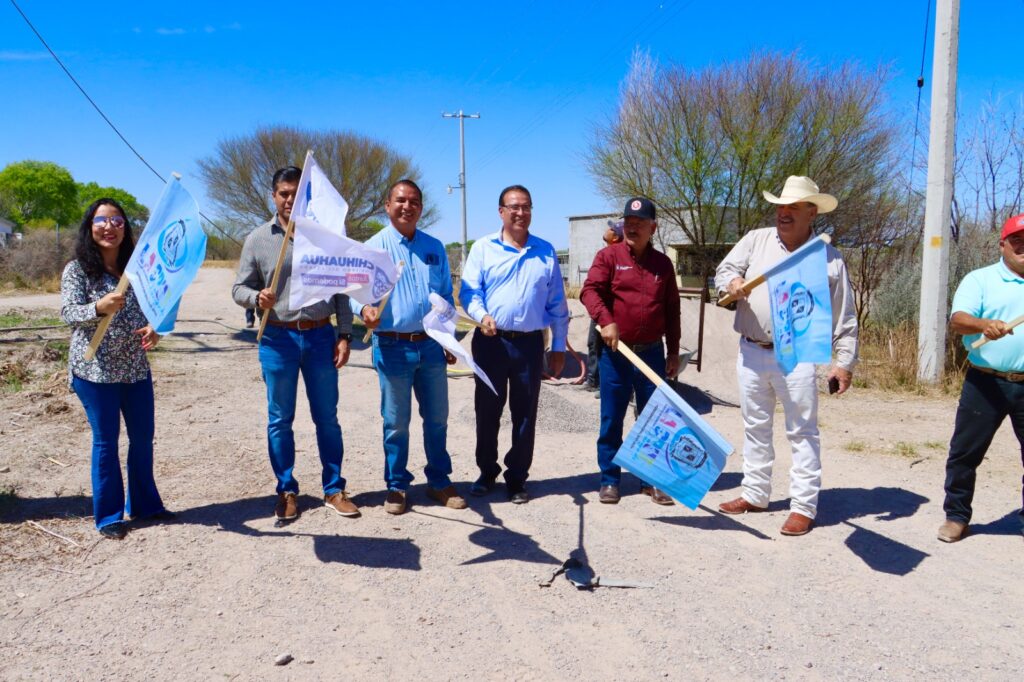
pixel 136 213
pixel 238 173
pixel 38 191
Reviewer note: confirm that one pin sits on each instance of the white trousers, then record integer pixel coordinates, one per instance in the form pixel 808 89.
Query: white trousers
pixel 761 384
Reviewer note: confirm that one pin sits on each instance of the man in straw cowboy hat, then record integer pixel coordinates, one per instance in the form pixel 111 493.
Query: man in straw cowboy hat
pixel 987 304
pixel 761 380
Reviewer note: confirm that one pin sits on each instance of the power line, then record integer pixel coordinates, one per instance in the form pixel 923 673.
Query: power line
pixel 920 91
pixel 104 116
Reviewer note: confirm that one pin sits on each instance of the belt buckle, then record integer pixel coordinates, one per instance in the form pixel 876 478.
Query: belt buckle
pixel 1015 376
pixel 298 325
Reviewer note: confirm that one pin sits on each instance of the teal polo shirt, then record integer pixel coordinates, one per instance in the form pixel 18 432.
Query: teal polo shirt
pixel 993 293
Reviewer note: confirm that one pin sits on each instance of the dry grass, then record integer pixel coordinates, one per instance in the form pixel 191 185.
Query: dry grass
pixel 888 362
pixel 229 264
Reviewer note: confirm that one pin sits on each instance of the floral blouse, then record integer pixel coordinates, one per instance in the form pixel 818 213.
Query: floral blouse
pixel 120 357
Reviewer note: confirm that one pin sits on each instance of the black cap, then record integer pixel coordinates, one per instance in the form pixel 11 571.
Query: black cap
pixel 641 207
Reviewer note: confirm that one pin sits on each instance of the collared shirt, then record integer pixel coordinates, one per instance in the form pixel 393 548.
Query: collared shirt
pixel 120 357
pixel 426 270
pixel 759 250
pixel 521 289
pixel 256 270
pixel 639 295
pixel 993 293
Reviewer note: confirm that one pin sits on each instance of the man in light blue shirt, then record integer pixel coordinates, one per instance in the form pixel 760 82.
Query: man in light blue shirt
pixel 987 304
pixel 512 285
pixel 406 359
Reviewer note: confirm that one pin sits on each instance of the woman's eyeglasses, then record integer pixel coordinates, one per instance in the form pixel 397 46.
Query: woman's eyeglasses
pixel 115 221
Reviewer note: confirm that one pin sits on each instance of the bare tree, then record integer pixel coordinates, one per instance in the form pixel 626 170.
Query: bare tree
pixel 703 144
pixel 238 174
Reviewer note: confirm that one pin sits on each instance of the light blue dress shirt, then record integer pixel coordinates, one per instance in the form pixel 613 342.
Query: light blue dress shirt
pixel 521 290
pixel 993 293
pixel 426 270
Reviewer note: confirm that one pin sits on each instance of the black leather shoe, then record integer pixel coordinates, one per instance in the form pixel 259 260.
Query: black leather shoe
pixel 115 531
pixel 518 496
pixel 481 486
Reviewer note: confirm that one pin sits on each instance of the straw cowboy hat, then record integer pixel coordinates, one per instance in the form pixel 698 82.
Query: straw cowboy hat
pixel 800 188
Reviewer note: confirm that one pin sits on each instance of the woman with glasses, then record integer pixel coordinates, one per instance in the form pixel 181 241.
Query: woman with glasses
pixel 117 380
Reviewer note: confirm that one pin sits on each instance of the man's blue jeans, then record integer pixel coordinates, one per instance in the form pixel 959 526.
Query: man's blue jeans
pixel 620 378
pixel 985 401
pixel 104 404
pixel 283 354
pixel 404 367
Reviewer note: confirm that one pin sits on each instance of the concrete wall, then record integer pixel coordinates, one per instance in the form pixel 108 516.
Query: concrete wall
pixel 585 240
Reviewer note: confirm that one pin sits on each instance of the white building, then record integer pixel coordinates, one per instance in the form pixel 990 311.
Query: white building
pixel 586 233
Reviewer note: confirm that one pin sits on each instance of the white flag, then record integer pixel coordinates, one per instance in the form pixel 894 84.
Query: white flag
pixel 325 261
pixel 439 324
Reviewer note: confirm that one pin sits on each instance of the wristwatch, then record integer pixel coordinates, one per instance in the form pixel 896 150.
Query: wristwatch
pixel 346 337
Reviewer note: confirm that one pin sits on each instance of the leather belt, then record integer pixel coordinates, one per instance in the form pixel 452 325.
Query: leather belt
pixel 404 336
pixel 642 347
pixel 507 334
pixel 767 345
pixel 300 325
pixel 1009 376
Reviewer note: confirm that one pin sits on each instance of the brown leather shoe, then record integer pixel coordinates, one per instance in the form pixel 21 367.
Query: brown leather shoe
pixel 340 503
pixel 739 506
pixel 952 531
pixel 395 502
pixel 448 497
pixel 797 524
pixel 287 508
pixel 657 497
pixel 608 494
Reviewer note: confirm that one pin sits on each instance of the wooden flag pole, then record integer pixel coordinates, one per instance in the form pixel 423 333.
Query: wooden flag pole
pixel 101 330
pixel 984 339
pixel 640 364
pixel 760 279
pixel 277 275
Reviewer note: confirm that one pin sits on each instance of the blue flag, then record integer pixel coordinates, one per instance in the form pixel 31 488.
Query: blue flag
pixel 801 307
pixel 673 449
pixel 167 256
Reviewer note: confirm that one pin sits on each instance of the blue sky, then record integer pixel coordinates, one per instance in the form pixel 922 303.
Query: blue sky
pixel 177 77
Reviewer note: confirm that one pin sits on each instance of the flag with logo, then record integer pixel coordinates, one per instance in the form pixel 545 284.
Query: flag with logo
pixel 673 449
pixel 439 324
pixel 801 306
pixel 324 260
pixel 167 256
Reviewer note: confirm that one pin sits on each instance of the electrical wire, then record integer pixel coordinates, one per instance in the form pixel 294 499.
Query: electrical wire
pixel 105 118
pixel 920 91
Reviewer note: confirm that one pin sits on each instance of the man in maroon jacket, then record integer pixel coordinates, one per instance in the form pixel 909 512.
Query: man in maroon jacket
pixel 631 293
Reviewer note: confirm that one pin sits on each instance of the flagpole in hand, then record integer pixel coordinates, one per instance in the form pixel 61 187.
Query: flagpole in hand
pixel 384 302
pixel 760 279
pixel 277 274
pixel 978 343
pixel 644 368
pixel 101 330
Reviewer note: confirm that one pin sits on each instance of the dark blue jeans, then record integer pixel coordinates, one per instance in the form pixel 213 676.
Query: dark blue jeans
pixel 985 401
pixel 283 354
pixel 620 378
pixel 104 404
pixel 514 367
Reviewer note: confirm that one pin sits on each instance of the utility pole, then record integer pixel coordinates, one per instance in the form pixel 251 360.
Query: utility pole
pixel 462 174
pixel 931 335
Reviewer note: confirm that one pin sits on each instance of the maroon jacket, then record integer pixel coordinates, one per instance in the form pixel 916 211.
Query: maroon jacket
pixel 639 295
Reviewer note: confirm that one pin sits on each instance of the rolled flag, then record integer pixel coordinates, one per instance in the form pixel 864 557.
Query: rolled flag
pixel 439 324
pixel 324 260
pixel 801 307
pixel 167 256
pixel 673 449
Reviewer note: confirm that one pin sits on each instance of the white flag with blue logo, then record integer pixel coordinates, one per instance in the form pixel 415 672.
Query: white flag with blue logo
pixel 673 449
pixel 801 307
pixel 167 256
pixel 324 260
pixel 439 324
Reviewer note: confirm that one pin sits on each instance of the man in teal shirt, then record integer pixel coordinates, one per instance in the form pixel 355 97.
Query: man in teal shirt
pixel 985 305
pixel 406 359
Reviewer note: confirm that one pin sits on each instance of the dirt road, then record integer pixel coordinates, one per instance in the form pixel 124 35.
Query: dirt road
pixel 439 594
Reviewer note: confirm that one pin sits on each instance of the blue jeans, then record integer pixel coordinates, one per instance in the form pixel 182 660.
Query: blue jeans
pixel 104 404
pixel 514 366
pixel 283 354
pixel 985 401
pixel 404 367
pixel 620 378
